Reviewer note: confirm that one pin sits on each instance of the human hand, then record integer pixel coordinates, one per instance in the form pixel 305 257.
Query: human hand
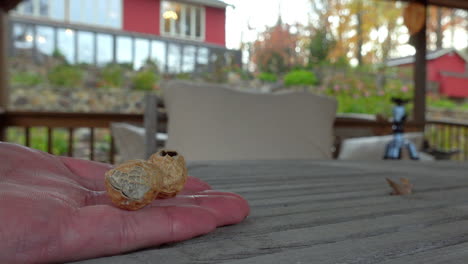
pixel 55 209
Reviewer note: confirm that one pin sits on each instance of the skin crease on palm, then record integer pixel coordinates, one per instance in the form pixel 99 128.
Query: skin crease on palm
pixel 55 209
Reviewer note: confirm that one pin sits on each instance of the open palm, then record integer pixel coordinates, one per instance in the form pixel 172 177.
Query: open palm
pixel 55 209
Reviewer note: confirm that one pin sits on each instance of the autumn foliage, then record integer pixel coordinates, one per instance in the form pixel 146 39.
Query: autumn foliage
pixel 275 50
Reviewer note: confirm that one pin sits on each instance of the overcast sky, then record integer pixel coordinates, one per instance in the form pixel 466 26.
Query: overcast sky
pixel 259 14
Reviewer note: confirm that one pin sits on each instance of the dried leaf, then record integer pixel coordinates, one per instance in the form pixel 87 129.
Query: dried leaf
pixel 403 188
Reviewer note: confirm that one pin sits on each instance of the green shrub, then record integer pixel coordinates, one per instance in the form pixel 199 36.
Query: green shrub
pixel 26 79
pixel 65 76
pixel 442 103
pixel 267 77
pixel 145 80
pixel 183 76
pixel 300 77
pixel 112 76
pixel 464 107
pixel 38 139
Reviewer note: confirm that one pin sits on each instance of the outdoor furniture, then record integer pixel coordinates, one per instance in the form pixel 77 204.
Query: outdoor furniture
pixel 329 212
pixel 373 148
pixel 130 140
pixel 211 122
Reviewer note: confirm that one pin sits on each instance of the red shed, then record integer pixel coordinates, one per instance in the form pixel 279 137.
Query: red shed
pixel 200 20
pixel 447 68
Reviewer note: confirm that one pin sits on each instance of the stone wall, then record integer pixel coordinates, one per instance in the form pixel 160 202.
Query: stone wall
pixel 76 100
pixel 458 115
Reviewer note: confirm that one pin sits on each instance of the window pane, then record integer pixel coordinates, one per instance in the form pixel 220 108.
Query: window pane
pixel 114 13
pixel 28 7
pixel 188 64
pixel 124 50
pixel 45 40
pixel 75 11
pixel 198 22
pixel 104 49
pixel 87 12
pixel 174 58
pixel 177 8
pixel 66 43
pixel 141 53
pixel 57 9
pixel 158 53
pixel 44 8
pixel 86 47
pixel 171 15
pixel 23 36
pixel 202 55
pixel 188 21
pixel 167 25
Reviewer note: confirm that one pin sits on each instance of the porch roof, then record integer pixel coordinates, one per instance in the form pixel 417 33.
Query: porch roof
pixel 462 4
pixel 212 3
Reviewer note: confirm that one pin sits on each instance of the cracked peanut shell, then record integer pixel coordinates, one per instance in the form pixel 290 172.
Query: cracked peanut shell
pixel 175 171
pixel 133 184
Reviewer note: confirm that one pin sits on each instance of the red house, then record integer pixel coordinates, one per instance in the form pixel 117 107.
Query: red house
pixel 199 20
pixel 447 68
pixel 179 35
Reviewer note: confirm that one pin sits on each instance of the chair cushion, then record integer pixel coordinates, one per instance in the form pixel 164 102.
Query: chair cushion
pixel 130 140
pixel 211 122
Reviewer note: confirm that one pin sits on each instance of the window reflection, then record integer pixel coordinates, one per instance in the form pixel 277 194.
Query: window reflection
pixel 66 43
pixel 188 64
pixel 86 47
pixel 124 50
pixel 45 40
pixel 23 36
pixel 104 49
pixel 158 53
pixel 141 53
pixel 173 62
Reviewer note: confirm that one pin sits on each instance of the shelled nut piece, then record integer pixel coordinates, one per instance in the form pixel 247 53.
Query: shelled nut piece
pixel 134 184
pixel 175 171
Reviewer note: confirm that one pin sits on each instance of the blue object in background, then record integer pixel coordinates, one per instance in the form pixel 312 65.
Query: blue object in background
pixel 398 143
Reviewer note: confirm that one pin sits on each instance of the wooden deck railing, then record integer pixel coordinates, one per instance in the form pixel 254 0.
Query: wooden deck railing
pixel 69 121
pixel 442 135
pixel 448 138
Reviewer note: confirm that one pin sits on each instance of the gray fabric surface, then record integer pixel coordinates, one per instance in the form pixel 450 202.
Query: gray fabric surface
pixel 329 212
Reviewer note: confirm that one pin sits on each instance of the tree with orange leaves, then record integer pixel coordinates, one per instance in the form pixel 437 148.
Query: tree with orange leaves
pixel 275 49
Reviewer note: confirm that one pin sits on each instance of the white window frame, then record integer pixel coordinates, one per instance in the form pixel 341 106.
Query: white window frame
pixel 182 35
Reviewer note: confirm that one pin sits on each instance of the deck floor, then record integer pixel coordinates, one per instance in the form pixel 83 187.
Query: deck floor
pixel 330 212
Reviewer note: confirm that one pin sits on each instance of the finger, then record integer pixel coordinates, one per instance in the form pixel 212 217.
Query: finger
pixel 91 173
pixel 195 185
pixel 229 208
pixel 104 230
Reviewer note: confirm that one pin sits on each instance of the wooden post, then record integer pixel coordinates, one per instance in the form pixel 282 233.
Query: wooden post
pixel 151 123
pixel 4 29
pixel 419 74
